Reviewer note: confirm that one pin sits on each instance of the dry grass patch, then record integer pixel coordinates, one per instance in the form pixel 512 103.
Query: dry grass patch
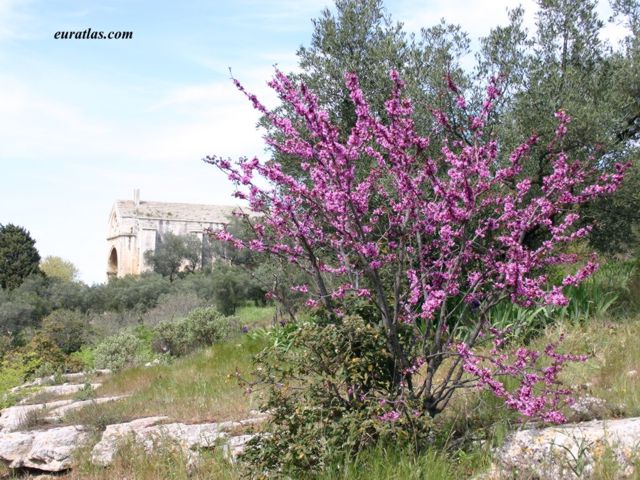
pixel 167 461
pixel 198 388
pixel 612 372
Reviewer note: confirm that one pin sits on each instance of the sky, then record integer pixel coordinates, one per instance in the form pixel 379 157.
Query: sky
pixel 85 122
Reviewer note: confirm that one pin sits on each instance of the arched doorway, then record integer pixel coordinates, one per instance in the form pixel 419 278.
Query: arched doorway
pixel 112 266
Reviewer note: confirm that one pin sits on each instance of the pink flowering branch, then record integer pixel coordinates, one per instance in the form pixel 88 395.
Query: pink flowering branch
pixel 539 394
pixel 432 237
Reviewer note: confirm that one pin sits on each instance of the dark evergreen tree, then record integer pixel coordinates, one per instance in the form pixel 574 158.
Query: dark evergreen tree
pixel 19 257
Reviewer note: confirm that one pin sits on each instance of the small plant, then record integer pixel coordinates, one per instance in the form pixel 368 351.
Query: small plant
pixel 32 419
pixel 202 327
pixel 119 351
pixel 87 392
pixel 95 417
pixel 279 337
pixel 579 461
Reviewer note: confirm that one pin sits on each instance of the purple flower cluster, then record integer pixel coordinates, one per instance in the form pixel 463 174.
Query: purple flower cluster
pixel 539 394
pixel 444 225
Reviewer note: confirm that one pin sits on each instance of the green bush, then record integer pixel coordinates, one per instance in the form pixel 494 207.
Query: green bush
pixel 329 391
pixel 69 330
pixel 202 327
pixel 86 356
pixel 230 285
pixel 42 355
pixel 120 351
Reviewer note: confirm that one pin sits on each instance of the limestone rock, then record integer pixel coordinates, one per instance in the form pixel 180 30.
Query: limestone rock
pixel 59 390
pixel 106 448
pixel 569 452
pixel 58 413
pixel 66 377
pixel 11 418
pixel 235 446
pixel 189 438
pixel 47 450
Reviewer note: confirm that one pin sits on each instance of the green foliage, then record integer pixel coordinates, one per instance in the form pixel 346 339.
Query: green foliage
pixel 361 37
pixel 57 267
pixel 278 337
pixel 12 374
pixel 230 287
pixel 326 394
pixel 564 64
pixel 86 357
pixel 175 254
pixel 18 256
pixel 172 306
pixel 120 351
pixel 86 392
pixel 519 323
pixel 42 355
pixel 129 293
pixel 69 330
pixel 16 315
pixel 202 328
pixel 605 291
pixel 6 345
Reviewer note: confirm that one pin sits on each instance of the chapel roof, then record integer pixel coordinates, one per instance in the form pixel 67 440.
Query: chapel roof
pixel 189 212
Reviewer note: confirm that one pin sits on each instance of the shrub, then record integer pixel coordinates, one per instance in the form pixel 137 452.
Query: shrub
pixel 343 406
pixel 172 306
pixel 203 327
pixel 430 234
pixel 119 351
pixel 41 354
pixel 230 285
pixel 69 330
pixel 86 357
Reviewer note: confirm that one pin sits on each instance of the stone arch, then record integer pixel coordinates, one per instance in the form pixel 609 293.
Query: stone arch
pixel 112 266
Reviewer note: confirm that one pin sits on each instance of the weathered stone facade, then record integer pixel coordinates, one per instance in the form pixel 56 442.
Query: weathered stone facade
pixel 137 226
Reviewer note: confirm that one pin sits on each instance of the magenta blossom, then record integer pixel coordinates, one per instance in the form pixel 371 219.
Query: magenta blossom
pixel 432 238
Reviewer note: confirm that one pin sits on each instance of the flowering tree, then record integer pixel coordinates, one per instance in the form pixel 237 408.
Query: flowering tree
pixel 432 241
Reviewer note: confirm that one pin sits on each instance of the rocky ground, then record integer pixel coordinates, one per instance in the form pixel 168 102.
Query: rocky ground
pixel 35 436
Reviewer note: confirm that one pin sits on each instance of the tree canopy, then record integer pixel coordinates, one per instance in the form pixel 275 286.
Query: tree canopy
pixel 563 63
pixel 56 267
pixel 175 254
pixel 19 257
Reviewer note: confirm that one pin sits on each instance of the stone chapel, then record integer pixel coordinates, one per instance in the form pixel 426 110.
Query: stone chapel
pixel 136 226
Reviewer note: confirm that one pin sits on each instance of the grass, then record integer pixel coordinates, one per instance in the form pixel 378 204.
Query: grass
pixel 165 462
pixel 197 388
pixel 612 372
pixel 202 387
pixel 397 463
pixel 255 316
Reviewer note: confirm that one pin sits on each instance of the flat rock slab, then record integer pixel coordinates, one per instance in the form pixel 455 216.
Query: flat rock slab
pixel 148 432
pixel 13 417
pixel 59 390
pixel 58 413
pixel 569 452
pixel 66 377
pixel 114 435
pixel 48 450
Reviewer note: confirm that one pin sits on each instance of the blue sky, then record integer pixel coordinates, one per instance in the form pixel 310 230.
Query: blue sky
pixel 84 122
